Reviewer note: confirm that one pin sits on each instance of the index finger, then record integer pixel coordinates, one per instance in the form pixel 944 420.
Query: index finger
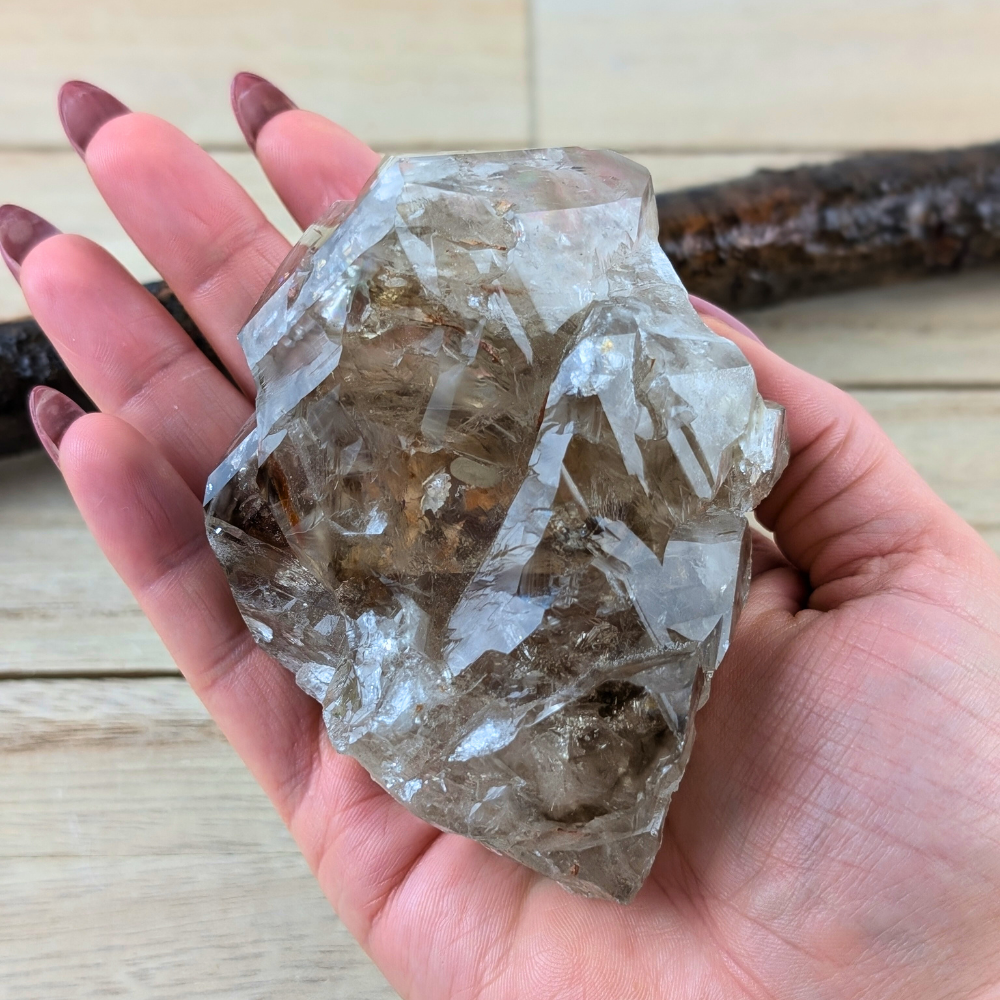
pixel 310 161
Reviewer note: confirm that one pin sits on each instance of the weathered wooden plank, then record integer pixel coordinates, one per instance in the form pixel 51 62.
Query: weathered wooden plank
pixel 124 768
pixel 940 331
pixel 438 72
pixel 63 609
pixel 140 858
pixel 751 74
pixel 195 927
pixel 678 170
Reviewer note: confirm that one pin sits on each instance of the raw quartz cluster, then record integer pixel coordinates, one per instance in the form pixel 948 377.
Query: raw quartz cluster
pixel 491 509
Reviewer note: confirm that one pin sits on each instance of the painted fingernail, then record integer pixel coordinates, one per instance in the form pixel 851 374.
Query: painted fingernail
pixel 83 109
pixel 706 308
pixel 51 412
pixel 20 230
pixel 255 102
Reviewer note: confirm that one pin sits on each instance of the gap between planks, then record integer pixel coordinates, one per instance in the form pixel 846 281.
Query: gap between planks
pixel 138 857
pixel 119 675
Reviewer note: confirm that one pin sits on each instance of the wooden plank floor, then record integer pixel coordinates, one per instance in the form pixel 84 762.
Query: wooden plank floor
pixel 137 857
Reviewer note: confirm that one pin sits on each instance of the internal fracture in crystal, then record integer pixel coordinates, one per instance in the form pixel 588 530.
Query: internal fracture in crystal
pixel 491 509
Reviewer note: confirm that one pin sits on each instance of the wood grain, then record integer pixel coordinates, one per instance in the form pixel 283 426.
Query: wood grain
pixel 753 74
pixel 138 858
pixel 409 72
pixel 63 609
pixel 935 332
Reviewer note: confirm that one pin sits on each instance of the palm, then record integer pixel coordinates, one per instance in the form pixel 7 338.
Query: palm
pixel 834 834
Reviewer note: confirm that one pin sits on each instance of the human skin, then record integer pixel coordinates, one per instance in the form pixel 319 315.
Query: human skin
pixel 837 831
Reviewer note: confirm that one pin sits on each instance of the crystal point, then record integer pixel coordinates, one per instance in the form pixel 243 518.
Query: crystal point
pixel 491 509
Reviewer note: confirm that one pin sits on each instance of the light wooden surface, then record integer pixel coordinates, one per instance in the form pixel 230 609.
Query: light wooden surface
pixel 137 858
pixel 410 72
pixel 760 74
pixel 55 184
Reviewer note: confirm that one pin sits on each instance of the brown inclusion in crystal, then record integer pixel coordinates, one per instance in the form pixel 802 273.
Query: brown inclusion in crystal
pixel 491 511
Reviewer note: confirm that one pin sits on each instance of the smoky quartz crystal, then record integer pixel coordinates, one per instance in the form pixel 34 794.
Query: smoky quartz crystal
pixel 491 509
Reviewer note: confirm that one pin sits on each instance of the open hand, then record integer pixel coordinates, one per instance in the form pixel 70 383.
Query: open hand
pixel 837 833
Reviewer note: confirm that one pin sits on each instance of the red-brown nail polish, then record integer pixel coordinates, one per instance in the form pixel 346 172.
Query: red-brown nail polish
pixel 255 102
pixel 83 109
pixel 705 308
pixel 20 230
pixel 51 412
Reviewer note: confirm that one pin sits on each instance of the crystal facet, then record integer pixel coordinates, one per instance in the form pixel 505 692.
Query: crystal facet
pixel 491 509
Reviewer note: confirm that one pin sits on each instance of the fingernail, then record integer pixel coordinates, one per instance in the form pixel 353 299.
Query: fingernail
pixel 51 413
pixel 20 230
pixel 83 109
pixel 705 308
pixel 255 102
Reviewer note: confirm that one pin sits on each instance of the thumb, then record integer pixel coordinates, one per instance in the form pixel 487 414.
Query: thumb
pixel 849 511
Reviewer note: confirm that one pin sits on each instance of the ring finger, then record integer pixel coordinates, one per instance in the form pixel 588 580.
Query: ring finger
pixel 125 350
